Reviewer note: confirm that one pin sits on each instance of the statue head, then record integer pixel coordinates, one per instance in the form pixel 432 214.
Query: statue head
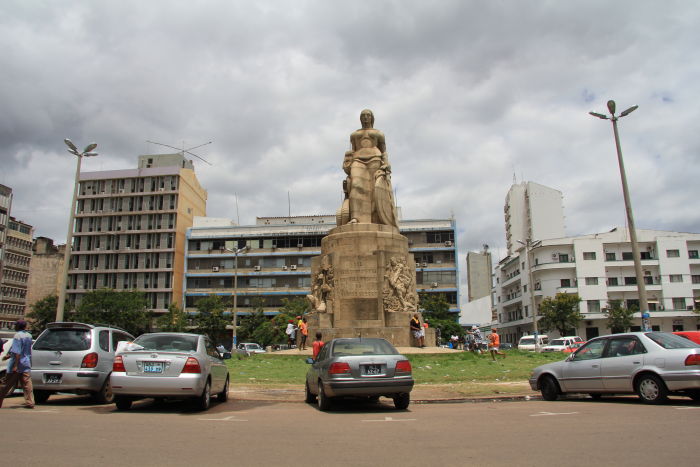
pixel 367 118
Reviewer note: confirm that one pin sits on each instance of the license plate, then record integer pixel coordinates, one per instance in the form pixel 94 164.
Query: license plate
pixel 54 378
pixel 152 367
pixel 372 369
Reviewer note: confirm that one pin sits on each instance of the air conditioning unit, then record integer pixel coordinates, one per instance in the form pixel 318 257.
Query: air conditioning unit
pixel 647 273
pixel 555 255
pixel 121 190
pixel 425 265
pixel 293 267
pixel 434 285
pixel 97 248
pixel 256 268
pixel 448 243
pixel 161 189
pixel 300 245
pixel 215 269
pixel 284 268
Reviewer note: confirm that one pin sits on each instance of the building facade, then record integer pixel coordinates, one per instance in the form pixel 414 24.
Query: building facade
pixel 532 211
pixel 15 274
pixel 5 205
pixel 479 274
pixel 130 229
pixel 277 263
pixel 45 269
pixel 599 268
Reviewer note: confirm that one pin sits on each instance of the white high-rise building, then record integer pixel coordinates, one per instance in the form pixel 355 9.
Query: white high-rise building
pixel 532 211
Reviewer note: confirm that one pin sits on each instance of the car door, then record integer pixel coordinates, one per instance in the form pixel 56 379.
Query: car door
pixel 217 367
pixel 623 357
pixel 314 372
pixel 582 371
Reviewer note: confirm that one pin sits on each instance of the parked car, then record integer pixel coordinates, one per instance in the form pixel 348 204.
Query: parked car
pixel 359 367
pixel 249 348
pixel 690 335
pixel 5 346
pixel 75 358
pixel 506 346
pixel 562 343
pixel 651 364
pixel 170 365
pixel 528 342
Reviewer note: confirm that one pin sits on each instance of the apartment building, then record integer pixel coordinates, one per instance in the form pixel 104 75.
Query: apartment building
pixel 15 272
pixel 532 211
pixel 5 205
pixel 277 264
pixel 131 226
pixel 479 275
pixel 599 268
pixel 45 269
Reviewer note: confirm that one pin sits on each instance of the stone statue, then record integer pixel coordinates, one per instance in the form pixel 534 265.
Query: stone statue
pixel 321 286
pixel 368 194
pixel 399 287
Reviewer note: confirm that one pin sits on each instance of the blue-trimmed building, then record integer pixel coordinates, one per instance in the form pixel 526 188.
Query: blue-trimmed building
pixel 277 263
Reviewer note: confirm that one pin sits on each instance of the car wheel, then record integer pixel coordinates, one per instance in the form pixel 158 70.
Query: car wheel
pixel 401 401
pixel 651 390
pixel 310 398
pixel 123 403
pixel 549 388
pixel 324 402
pixel 104 395
pixel 204 401
pixel 223 395
pixel 40 396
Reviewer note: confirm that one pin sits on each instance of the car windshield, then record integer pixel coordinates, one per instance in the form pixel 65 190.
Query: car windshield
pixel 671 341
pixel 167 342
pixel 363 347
pixel 528 341
pixel 64 339
pixel 558 342
pixel 254 346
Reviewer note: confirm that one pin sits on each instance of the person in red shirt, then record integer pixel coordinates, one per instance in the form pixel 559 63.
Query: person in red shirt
pixel 318 345
pixel 494 344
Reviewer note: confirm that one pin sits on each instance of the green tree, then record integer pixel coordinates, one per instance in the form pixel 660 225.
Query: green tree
pixel 560 313
pixel 43 312
pixel 295 307
pixel 620 319
pixel 436 311
pixel 210 319
pixel 123 309
pixel 175 320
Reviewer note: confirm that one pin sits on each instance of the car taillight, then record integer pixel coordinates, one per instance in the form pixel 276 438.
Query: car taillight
pixel 118 364
pixel 403 366
pixel 90 360
pixel 339 368
pixel 692 359
pixel 191 366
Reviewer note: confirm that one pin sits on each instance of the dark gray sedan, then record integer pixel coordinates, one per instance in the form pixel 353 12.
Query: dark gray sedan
pixel 358 367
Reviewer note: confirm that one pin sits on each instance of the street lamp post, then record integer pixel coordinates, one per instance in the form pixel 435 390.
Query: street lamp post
pixel 63 283
pixel 641 290
pixel 529 244
pixel 235 291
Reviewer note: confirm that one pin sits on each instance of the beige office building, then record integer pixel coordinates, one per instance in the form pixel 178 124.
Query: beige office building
pixel 130 229
pixel 44 270
pixel 15 272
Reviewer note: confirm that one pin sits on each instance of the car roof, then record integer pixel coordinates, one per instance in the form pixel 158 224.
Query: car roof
pixel 76 325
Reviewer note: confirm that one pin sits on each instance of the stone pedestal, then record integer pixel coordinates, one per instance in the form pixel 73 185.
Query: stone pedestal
pixel 363 284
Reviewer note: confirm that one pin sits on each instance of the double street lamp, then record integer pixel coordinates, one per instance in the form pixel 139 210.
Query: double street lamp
pixel 641 290
pixel 235 252
pixel 63 283
pixel 529 245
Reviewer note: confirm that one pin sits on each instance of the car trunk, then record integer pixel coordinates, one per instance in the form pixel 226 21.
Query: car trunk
pixel 154 363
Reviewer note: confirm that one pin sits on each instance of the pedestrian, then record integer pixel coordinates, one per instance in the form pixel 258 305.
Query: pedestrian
pixel 304 331
pixel 318 344
pixel 417 331
pixel 297 325
pixel 478 339
pixel 20 365
pixel 290 332
pixel 494 344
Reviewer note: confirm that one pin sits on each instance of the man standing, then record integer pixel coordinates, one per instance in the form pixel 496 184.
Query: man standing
pixel 494 344
pixel 20 365
pixel 318 344
pixel 304 331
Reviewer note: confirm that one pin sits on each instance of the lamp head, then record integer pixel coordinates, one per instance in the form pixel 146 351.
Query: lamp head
pixel 611 106
pixel 70 144
pixel 90 147
pixel 629 111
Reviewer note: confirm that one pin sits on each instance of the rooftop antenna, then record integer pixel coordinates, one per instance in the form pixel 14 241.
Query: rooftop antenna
pixel 183 150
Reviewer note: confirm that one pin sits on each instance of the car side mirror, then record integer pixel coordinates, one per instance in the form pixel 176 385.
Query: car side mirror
pixel 310 360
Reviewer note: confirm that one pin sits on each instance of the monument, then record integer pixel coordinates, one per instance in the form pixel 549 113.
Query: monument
pixel 364 281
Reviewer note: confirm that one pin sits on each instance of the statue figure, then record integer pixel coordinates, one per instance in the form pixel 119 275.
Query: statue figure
pixel 368 193
pixel 399 287
pixel 321 286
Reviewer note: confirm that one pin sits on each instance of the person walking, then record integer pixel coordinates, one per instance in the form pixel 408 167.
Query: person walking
pixel 290 332
pixel 494 344
pixel 478 339
pixel 304 331
pixel 20 365
pixel 417 331
pixel 318 344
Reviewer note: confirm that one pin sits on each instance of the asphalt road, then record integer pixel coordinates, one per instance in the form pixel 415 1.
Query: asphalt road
pixel 69 430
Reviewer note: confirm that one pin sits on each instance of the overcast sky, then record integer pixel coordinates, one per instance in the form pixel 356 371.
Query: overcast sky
pixel 470 95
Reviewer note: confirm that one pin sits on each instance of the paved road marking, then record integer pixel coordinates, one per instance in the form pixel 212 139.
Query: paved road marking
pixel 685 408
pixel 391 419
pixel 546 414
pixel 230 418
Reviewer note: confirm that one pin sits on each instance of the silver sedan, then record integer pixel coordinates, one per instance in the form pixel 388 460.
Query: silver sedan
pixel 170 365
pixel 359 367
pixel 650 364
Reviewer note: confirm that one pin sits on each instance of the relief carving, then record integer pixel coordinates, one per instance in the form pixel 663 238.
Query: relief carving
pixel 399 287
pixel 321 286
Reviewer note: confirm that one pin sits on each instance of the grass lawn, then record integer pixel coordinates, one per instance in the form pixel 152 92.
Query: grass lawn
pixel 463 369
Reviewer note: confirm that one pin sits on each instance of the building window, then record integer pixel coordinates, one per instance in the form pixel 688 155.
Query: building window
pixel 627 256
pixel 563 258
pixel 609 256
pixel 695 278
pixel 693 254
pixel 593 306
pixel 591 281
pixel 589 255
pixel 679 303
pixel 612 281
pixel 566 283
pixel 525 288
pixel 676 277
pixel 630 280
pixel 673 254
